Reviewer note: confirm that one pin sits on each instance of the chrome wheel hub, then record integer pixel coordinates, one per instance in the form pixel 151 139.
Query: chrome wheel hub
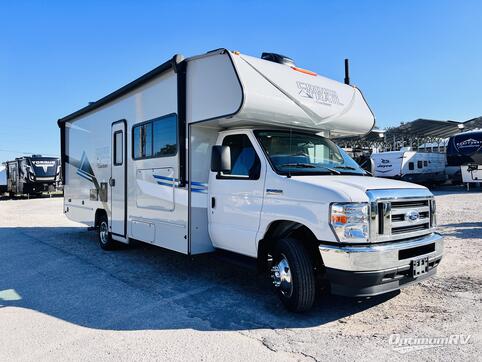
pixel 281 275
pixel 103 232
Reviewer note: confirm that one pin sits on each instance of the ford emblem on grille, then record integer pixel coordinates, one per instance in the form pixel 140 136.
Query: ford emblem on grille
pixel 412 215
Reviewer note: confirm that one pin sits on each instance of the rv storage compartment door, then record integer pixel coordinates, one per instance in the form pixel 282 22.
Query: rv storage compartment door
pixel 155 188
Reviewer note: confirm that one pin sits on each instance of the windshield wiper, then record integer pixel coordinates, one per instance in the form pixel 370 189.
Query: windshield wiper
pixel 309 165
pixel 365 172
pixel 346 167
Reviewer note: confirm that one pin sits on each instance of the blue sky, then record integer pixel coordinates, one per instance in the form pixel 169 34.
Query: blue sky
pixel 412 59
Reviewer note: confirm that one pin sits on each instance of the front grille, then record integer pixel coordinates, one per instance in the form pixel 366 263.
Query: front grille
pixel 409 228
pixel 405 217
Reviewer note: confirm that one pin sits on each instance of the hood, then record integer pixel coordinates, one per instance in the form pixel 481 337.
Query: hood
pixel 356 183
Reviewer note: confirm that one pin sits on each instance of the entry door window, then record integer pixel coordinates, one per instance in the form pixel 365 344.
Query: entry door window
pixel 118 148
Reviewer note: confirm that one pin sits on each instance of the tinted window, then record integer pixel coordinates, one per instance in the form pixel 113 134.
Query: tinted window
pixel 118 148
pixel 156 138
pixel 419 164
pixel 142 142
pixel 165 137
pixel 244 160
pixel 425 163
pixel 411 166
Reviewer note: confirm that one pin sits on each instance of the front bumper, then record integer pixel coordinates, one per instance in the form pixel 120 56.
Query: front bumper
pixel 371 269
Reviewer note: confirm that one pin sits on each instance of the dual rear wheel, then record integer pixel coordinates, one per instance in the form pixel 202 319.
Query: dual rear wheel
pixel 105 237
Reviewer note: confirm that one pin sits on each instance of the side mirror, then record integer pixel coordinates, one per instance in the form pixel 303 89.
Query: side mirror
pixel 221 159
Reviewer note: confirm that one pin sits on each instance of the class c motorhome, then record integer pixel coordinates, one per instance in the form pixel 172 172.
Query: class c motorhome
pixel 225 151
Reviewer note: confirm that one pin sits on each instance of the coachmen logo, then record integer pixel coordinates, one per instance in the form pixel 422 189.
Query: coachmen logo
pixel 44 164
pixel 412 216
pixel 321 95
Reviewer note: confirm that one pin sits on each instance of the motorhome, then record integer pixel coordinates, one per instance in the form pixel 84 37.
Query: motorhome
pixel 420 167
pixel 32 175
pixel 225 151
pixel 464 151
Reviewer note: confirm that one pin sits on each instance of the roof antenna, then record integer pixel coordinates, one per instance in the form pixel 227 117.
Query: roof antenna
pixel 347 72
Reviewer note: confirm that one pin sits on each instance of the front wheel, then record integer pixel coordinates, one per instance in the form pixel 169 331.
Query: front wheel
pixel 105 237
pixel 293 275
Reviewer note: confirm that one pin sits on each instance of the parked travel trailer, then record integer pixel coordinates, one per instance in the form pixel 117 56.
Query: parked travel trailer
pixel 225 151
pixel 464 150
pixel 3 179
pixel 412 166
pixel 32 175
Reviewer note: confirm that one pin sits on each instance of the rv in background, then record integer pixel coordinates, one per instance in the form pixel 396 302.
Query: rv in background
pixel 32 175
pixel 418 167
pixel 228 151
pixel 464 151
pixel 3 179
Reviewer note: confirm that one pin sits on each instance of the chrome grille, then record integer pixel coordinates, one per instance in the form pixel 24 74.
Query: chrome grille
pixel 400 214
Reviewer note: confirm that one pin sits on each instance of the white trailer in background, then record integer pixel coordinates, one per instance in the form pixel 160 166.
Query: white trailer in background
pixel 232 152
pixel 412 166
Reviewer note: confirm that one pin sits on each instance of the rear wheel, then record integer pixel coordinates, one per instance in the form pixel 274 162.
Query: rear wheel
pixel 293 275
pixel 105 237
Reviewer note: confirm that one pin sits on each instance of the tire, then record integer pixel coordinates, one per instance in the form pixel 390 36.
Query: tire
pixel 105 237
pixel 299 294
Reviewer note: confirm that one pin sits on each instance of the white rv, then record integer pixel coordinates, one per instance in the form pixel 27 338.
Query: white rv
pixel 232 152
pixel 412 166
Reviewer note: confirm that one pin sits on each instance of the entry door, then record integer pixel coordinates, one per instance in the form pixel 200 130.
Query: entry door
pixel 236 199
pixel 118 180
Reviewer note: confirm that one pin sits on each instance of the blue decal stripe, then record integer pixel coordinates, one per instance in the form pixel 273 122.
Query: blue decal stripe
pixel 164 183
pixel 164 178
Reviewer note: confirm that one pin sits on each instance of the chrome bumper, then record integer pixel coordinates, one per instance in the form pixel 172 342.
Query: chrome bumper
pixel 374 257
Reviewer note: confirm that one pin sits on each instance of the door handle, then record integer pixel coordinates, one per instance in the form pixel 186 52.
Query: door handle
pixel 213 202
pixel 112 182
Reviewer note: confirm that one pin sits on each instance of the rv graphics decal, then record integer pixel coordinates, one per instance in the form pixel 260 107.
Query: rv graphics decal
pixel 468 146
pixel 325 96
pixel 199 187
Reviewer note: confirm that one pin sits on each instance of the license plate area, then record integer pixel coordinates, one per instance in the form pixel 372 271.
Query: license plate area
pixel 419 267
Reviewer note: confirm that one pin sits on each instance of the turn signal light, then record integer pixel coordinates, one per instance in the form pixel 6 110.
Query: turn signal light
pixel 339 219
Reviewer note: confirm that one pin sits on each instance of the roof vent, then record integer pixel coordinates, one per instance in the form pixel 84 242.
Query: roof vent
pixel 278 58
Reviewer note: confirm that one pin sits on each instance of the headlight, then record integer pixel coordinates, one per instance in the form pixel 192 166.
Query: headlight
pixel 350 221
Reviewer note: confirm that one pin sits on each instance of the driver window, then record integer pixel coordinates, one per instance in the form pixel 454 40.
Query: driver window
pixel 245 163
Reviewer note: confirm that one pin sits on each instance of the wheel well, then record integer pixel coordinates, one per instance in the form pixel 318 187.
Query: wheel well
pixel 284 228
pixel 99 213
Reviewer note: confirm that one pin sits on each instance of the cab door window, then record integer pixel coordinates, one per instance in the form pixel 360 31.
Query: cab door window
pixel 245 163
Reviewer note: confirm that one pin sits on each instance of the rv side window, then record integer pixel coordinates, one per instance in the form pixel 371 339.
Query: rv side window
pixel 425 163
pixel 419 164
pixel 165 137
pixel 411 166
pixel 142 141
pixel 155 138
pixel 118 148
pixel 245 163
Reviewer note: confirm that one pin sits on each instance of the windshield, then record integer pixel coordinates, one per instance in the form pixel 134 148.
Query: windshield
pixel 297 153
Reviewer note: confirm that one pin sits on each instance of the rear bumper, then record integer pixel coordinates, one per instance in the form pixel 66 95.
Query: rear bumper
pixel 366 270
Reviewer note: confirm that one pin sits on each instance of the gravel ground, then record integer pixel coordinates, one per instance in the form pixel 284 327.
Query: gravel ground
pixel 62 297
